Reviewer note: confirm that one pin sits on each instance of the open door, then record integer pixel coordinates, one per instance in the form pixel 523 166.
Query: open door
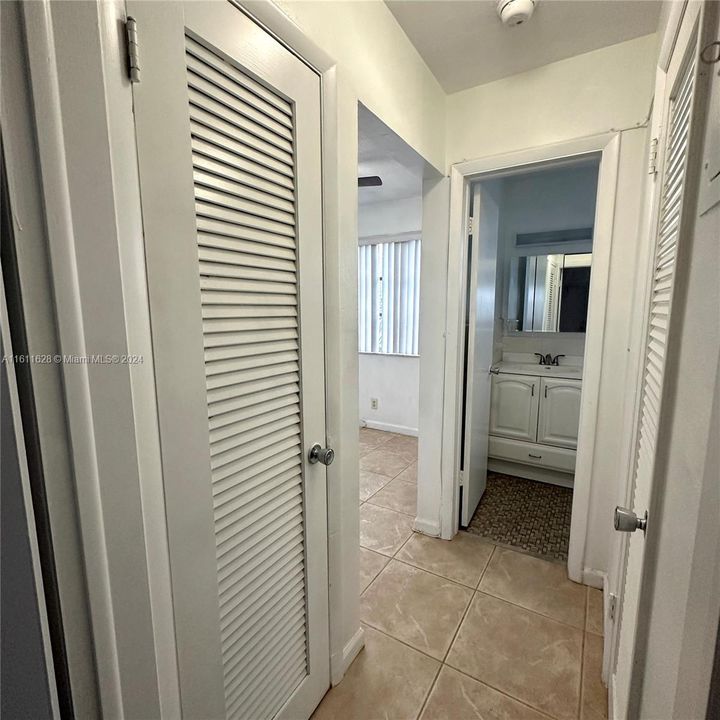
pixel 483 244
pixel 677 104
pixel 228 133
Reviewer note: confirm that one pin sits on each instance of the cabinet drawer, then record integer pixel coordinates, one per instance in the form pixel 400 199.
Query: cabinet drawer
pixel 532 454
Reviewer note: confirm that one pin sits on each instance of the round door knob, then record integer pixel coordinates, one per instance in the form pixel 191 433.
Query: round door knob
pixel 627 521
pixel 320 454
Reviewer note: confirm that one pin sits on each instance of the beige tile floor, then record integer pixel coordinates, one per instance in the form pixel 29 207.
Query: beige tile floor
pixel 460 629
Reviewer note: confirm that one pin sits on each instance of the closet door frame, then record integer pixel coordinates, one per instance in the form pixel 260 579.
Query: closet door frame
pixel 135 661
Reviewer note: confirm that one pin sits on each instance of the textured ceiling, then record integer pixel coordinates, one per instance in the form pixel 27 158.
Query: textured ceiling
pixel 381 152
pixel 464 43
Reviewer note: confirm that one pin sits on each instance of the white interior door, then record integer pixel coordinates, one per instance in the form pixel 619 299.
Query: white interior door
pixel 481 328
pixel 228 133
pixel 677 105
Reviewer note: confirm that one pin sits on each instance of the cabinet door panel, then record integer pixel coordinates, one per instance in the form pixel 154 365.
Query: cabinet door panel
pixel 559 412
pixel 514 407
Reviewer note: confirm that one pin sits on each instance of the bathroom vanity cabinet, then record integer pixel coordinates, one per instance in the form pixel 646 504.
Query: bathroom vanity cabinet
pixel 534 418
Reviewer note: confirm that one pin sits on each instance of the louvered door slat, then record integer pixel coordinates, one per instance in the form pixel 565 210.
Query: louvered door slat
pixel 226 490
pixel 199 51
pixel 243 617
pixel 261 123
pixel 221 412
pixel 205 152
pixel 244 174
pixel 281 419
pixel 214 116
pixel 223 367
pixel 266 113
pixel 253 184
pixel 284 440
pixel 273 661
pixel 261 161
pixel 222 399
pixel 253 488
pixel 242 450
pixel 234 220
pixel 661 291
pixel 237 189
pixel 264 689
pixel 252 642
pixel 230 563
pixel 272 368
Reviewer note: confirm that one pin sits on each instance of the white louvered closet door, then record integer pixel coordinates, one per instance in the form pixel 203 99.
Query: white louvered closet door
pixel 228 131
pixel 671 218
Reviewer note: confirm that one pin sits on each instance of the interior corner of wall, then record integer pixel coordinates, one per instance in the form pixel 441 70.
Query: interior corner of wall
pixel 427 527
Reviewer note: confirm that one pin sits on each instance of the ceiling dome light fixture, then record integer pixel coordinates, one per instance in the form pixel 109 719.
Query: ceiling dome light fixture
pixel 515 12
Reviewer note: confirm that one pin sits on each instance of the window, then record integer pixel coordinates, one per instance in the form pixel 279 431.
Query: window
pixel 389 297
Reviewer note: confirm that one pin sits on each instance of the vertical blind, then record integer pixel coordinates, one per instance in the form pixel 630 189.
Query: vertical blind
pixel 389 297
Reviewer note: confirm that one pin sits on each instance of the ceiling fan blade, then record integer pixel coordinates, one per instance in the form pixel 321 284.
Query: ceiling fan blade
pixel 370 181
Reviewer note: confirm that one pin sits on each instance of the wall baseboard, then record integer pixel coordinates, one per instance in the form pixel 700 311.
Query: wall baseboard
pixel 427 527
pixel 349 653
pixel 389 427
pixel 594 578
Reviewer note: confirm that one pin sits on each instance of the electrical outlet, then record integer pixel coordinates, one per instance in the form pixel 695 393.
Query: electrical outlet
pixel 374 403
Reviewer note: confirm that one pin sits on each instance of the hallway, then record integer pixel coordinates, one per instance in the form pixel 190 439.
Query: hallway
pixel 460 629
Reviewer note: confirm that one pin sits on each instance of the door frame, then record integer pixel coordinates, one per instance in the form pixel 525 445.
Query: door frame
pixel 129 605
pixel 606 147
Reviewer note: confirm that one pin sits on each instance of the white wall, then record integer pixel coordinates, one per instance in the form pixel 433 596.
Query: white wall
pixel 375 64
pixel 603 90
pixel 395 381
pixel 589 94
pixel 392 217
pixel 382 66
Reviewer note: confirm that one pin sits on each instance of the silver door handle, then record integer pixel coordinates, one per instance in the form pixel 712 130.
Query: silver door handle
pixel 320 454
pixel 627 521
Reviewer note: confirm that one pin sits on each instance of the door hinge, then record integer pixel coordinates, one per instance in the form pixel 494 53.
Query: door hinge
pixel 133 49
pixel 461 478
pixel 612 606
pixel 652 158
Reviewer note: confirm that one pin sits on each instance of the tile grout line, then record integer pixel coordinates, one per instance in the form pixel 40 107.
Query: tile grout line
pixel 443 662
pixel 430 572
pixel 581 689
pixel 405 482
pixel 505 693
pixel 452 642
pixel 429 692
pixel 475 589
pixel 530 610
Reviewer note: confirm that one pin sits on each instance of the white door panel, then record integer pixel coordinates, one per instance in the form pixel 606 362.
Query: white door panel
pixel 481 328
pixel 559 416
pixel 514 407
pixel 677 103
pixel 228 130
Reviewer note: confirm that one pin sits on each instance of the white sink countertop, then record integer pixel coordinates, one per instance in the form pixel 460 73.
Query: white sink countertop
pixel 571 372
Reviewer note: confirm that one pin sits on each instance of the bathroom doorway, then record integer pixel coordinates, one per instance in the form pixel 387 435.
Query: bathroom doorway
pixel 529 266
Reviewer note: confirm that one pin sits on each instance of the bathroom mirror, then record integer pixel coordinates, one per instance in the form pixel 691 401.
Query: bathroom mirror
pixel 549 293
